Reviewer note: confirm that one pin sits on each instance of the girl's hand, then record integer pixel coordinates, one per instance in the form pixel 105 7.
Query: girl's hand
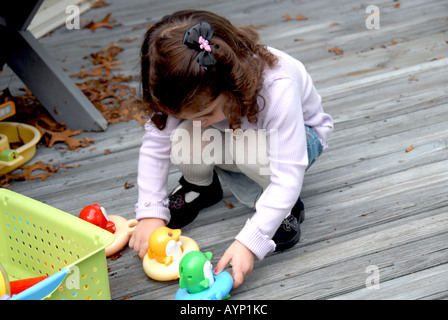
pixel 140 237
pixel 240 258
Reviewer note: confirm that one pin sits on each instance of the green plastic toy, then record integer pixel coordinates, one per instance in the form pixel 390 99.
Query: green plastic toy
pixel 196 273
pixel 197 280
pixel 8 155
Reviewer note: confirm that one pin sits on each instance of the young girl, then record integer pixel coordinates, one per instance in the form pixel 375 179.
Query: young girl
pixel 202 76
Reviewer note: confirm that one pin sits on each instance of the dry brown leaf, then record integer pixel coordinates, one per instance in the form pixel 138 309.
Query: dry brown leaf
pixel 229 204
pixel 128 185
pixel 52 137
pixel 145 26
pixel 105 23
pixel 109 93
pixel 298 18
pixel 129 39
pixel 355 73
pixel 99 4
pixel 336 51
pixel 27 173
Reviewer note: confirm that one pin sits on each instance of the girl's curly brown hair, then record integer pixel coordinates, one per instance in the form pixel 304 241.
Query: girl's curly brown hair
pixel 173 81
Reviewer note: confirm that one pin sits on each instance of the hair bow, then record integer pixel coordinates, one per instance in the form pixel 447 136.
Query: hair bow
pixel 198 37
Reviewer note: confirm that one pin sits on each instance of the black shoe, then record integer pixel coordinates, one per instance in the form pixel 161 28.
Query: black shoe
pixel 183 211
pixel 288 234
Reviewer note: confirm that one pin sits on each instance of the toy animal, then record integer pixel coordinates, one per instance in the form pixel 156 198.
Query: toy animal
pixel 97 215
pixel 166 248
pixel 164 245
pixel 119 226
pixel 197 281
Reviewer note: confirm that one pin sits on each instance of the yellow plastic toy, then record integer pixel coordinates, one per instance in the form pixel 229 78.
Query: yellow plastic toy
pixel 166 249
pixel 13 132
pixel 5 289
pixel 7 109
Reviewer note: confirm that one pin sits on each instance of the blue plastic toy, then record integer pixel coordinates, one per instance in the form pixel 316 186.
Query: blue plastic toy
pixel 197 281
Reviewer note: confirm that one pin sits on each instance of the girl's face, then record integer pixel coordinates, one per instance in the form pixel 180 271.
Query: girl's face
pixel 212 113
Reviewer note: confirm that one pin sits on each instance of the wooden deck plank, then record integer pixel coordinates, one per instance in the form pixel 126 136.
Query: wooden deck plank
pixel 345 269
pixel 368 201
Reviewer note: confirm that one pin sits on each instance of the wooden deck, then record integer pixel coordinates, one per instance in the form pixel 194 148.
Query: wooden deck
pixel 369 203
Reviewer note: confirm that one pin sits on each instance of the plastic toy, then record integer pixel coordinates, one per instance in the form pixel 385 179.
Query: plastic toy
pixel 5 289
pixel 13 132
pixel 43 289
pixel 7 109
pixel 197 281
pixel 97 215
pixel 11 288
pixel 124 229
pixel 119 226
pixel 166 249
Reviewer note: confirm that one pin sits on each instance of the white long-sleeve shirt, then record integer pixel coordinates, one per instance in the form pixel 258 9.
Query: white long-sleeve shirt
pixel 290 102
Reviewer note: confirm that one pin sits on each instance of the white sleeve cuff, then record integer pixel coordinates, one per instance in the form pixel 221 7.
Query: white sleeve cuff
pixel 260 244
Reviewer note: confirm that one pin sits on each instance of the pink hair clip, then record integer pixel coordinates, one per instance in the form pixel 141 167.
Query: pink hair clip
pixel 204 44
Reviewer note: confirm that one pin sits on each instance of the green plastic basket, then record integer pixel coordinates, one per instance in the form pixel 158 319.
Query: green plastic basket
pixel 39 240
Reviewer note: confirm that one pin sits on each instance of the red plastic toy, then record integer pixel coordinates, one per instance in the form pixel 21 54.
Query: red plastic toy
pixel 97 215
pixel 10 288
pixel 18 286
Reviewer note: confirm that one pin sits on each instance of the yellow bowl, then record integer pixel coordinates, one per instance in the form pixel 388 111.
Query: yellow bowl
pixel 14 132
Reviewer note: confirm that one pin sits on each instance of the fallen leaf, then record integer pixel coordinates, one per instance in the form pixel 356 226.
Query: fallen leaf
pixel 355 73
pixel 145 26
pixel 99 4
pixel 52 137
pixel 27 173
pixel 30 111
pixel 413 79
pixel 129 39
pixel 298 18
pixel 128 185
pixel 108 92
pixel 410 149
pixel 397 5
pixel 258 27
pixel 229 205
pixel 336 51
pixel 105 23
